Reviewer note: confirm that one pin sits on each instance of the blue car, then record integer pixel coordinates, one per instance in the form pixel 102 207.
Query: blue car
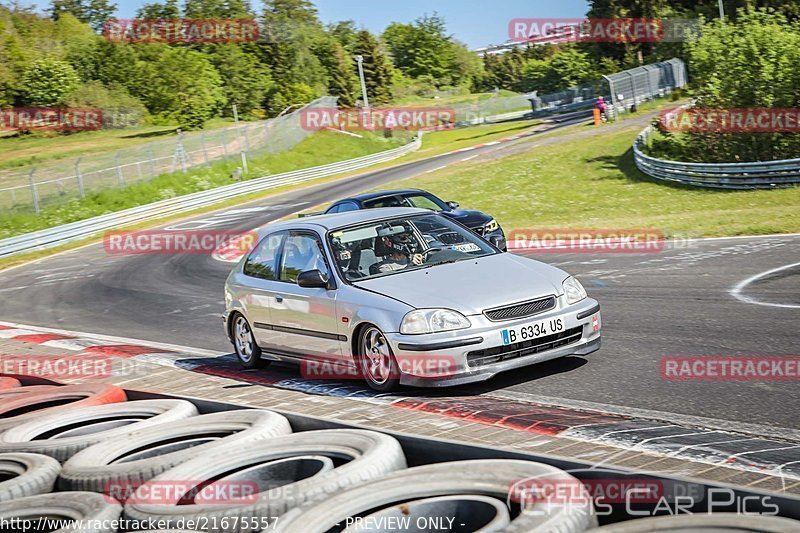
pixel 479 222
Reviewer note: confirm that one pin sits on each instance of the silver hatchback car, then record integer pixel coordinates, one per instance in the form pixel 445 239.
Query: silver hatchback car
pixel 400 296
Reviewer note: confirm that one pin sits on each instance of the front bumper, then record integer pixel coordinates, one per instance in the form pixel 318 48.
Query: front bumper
pixel 477 353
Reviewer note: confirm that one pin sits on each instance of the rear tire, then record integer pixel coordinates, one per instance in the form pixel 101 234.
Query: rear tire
pixel 378 364
pixel 244 343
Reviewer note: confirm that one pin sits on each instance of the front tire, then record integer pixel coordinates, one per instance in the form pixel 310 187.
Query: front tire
pixel 244 344
pixel 378 364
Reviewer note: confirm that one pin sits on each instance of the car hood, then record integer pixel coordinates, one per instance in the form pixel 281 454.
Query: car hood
pixel 468 217
pixel 471 286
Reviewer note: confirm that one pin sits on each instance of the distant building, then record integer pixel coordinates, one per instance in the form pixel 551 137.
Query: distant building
pixel 558 35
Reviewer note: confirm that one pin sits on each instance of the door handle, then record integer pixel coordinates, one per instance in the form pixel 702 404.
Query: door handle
pixel 279 298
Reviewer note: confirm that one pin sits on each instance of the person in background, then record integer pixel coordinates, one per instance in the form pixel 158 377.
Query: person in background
pixel 601 105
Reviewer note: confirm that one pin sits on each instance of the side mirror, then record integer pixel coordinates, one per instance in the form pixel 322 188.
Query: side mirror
pixel 452 205
pixel 498 242
pixel 313 279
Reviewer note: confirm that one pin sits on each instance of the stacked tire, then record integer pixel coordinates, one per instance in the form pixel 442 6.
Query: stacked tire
pixel 84 458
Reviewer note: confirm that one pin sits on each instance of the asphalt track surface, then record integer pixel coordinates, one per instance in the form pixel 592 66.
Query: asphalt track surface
pixel 677 302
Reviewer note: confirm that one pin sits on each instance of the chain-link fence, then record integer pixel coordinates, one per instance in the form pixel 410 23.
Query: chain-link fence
pixel 641 84
pixel 53 182
pixel 621 90
pixel 492 108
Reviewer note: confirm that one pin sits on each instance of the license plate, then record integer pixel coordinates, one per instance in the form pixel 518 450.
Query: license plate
pixel 467 247
pixel 534 330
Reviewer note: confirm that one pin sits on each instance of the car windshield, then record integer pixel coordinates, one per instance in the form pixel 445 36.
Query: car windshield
pixel 385 247
pixel 423 201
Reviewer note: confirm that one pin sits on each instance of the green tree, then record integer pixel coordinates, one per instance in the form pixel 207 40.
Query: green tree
pixel 422 48
pixel 169 10
pixel 568 68
pixel 181 85
pixel 222 9
pixel 346 33
pixel 342 80
pixel 94 12
pixel 120 109
pixel 289 96
pixel 48 82
pixel 533 76
pixel 245 80
pixel 291 28
pixel 81 46
pixel 377 68
pixel 750 64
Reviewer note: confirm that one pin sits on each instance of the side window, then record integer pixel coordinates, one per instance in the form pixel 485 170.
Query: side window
pixel 301 253
pixel 388 201
pixel 424 202
pixel 261 262
pixel 348 206
pixel 334 209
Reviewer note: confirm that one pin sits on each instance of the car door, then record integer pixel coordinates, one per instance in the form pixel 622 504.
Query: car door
pixel 305 317
pixel 261 272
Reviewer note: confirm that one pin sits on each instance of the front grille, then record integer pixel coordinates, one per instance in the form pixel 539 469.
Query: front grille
pixel 479 230
pixel 496 354
pixel 521 310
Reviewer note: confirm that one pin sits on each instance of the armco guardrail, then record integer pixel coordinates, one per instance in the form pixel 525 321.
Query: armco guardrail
pixel 40 240
pixel 758 175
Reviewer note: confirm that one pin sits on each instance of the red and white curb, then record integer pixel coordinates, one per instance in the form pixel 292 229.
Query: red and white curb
pixel 697 443
pixel 499 141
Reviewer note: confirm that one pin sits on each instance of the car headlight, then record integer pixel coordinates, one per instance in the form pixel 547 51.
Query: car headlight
pixel 491 226
pixel 573 290
pixel 432 321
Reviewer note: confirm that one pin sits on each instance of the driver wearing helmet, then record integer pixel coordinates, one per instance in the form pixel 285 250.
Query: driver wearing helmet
pixel 401 246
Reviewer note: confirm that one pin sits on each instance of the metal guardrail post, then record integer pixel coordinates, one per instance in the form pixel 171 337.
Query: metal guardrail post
pixel 613 96
pixel 633 86
pixel 224 144
pixel 181 152
pixel 34 191
pixel 246 139
pixel 150 158
pixel 79 177
pixel 120 178
pixel 51 237
pixel 203 146
pixel 751 175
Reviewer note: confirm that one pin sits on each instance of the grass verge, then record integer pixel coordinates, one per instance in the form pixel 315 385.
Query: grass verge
pixel 18 151
pixel 594 183
pixel 319 149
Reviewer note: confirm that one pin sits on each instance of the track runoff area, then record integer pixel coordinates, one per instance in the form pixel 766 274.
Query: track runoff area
pixel 616 408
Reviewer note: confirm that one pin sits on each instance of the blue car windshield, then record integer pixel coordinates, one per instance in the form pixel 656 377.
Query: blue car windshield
pixel 386 247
